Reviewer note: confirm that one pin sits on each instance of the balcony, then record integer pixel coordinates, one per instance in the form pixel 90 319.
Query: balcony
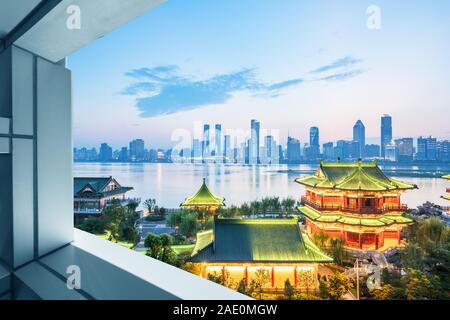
pixel 364 210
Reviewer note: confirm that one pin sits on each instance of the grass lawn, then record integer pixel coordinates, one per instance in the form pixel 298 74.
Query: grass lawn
pixel 125 244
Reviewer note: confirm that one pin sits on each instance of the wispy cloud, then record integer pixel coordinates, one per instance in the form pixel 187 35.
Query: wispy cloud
pixel 163 90
pixel 340 63
pixel 342 75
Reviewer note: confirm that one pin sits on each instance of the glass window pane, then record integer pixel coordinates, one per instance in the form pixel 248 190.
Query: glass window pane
pixel 4 125
pixel 4 145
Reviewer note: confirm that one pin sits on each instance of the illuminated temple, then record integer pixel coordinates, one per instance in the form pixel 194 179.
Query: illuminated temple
pixel 238 249
pixel 356 202
pixel 204 200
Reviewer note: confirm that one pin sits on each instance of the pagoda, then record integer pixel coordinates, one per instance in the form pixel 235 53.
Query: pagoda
pixel 239 248
pixel 447 196
pixel 356 202
pixel 204 200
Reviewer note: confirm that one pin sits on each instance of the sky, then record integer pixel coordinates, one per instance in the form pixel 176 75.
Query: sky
pixel 291 64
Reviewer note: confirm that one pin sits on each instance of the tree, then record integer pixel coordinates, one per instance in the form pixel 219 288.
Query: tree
pixel 306 279
pixel 384 293
pixel 260 279
pixel 419 286
pixel 132 205
pixel 320 239
pixel 288 290
pixel 166 242
pixel 288 205
pixel 150 204
pixel 245 209
pixel 222 278
pixel 93 225
pixel 242 288
pixel 265 205
pixel 338 251
pixel 154 245
pixel 189 225
pixel 335 287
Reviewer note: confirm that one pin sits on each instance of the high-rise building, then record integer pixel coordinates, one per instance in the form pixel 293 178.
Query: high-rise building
pixel 386 133
pixel 328 151
pixel 105 153
pixel 218 140
pixel 312 152
pixel 390 151
pixel 443 151
pixel 137 150
pixel 228 151
pixel 359 136
pixel 426 149
pixel 293 150
pixel 196 150
pixel 123 154
pixel 405 149
pixel 254 143
pixel 206 152
pixel 269 151
pixel 372 151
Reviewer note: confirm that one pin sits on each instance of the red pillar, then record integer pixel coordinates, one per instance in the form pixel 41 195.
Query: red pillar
pixel 376 241
pixel 223 274
pixel 398 237
pixel 359 239
pixel 295 277
pixel 273 277
pixel 246 276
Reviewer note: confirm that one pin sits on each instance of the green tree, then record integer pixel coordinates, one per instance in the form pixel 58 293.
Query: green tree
pixel 338 251
pixel 150 204
pixel 335 286
pixel 166 242
pixel 288 205
pixel 419 286
pixel 243 288
pixel 289 290
pixel 154 245
pixel 321 239
pixel 189 225
pixel 306 279
pixel 386 292
pixel 260 279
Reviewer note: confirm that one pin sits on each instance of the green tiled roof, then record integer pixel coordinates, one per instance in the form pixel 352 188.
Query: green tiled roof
pixel 446 198
pixel 204 197
pixel 259 240
pixel 359 176
pixel 98 185
pixel 386 220
pixel 447 177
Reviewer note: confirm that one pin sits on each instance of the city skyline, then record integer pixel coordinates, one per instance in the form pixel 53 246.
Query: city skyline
pixel 260 146
pixel 284 69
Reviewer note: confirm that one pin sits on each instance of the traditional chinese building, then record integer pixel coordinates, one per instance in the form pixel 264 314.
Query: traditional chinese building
pixel 447 196
pixel 204 200
pixel 237 249
pixel 93 195
pixel 356 202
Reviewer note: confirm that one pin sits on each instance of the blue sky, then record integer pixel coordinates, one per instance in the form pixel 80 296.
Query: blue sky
pixel 291 64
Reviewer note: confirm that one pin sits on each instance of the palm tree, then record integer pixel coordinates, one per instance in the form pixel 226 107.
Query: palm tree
pixel 265 204
pixel 288 205
pixel 150 204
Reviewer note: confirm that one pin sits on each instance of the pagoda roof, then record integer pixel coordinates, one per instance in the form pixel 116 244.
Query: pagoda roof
pixel 353 176
pixel 447 177
pixel 204 198
pixel 385 220
pixel 97 186
pixel 257 240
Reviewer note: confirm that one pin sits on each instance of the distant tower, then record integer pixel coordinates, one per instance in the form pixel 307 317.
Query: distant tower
pixel 359 136
pixel 254 143
pixel 386 133
pixel 218 140
pixel 314 146
pixel 206 141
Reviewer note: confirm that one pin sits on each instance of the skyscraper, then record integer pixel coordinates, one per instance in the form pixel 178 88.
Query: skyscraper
pixel 196 150
pixel 137 150
pixel 405 149
pixel 359 136
pixel 206 152
pixel 218 140
pixel 426 149
pixel 313 150
pixel 293 150
pixel 228 154
pixel 254 143
pixel 328 151
pixel 105 153
pixel 386 133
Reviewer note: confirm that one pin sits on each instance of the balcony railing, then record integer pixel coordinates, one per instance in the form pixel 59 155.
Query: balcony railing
pixel 369 210
pixel 87 211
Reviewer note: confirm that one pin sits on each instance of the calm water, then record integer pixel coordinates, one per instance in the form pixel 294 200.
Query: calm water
pixel 170 184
